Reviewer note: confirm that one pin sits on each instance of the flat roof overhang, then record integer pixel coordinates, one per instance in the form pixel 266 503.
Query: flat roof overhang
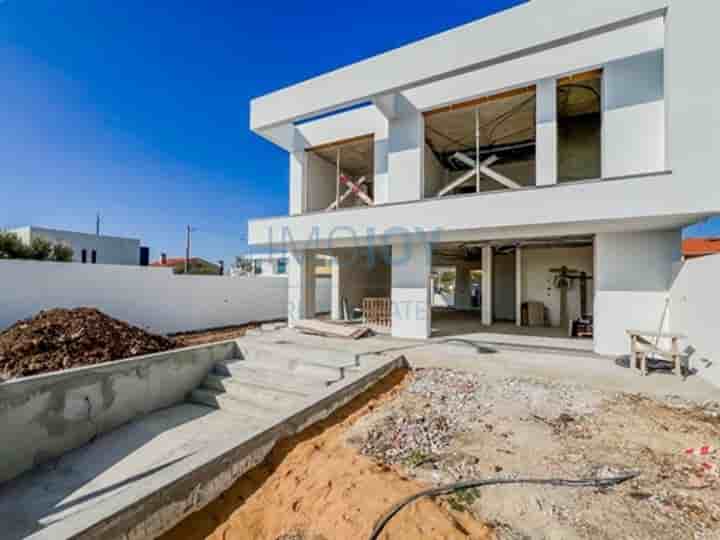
pixel 520 31
pixel 656 201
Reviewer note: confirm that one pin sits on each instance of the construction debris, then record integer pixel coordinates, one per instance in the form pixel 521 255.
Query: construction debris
pixel 328 329
pixel 66 338
pixel 450 426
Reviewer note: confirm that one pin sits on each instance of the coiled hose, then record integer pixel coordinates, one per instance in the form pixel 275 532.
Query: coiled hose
pixel 468 484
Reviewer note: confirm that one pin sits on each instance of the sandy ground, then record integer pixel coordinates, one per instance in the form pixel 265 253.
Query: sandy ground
pixel 448 426
pixel 315 486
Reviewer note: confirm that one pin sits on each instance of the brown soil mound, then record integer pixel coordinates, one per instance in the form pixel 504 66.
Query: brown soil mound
pixel 65 338
pixel 314 486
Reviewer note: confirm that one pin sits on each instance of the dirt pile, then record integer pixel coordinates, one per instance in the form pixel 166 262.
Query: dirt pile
pixel 314 486
pixel 65 338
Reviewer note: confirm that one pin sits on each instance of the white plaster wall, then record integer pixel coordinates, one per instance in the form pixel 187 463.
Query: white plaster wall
pixel 633 123
pixel 694 301
pixel 537 281
pixel 151 298
pixel 321 188
pixel 633 274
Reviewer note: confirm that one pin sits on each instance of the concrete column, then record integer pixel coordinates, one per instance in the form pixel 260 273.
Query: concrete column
pixel 337 283
pixel 406 147
pixel 301 286
pixel 487 285
pixel 518 286
pixel 298 171
pixel 381 178
pixel 411 311
pixel 462 287
pixel 546 149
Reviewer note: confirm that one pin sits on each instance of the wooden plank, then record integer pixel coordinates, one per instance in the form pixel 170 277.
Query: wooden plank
pixel 584 76
pixel 465 177
pixel 341 142
pixel 481 100
pixel 320 328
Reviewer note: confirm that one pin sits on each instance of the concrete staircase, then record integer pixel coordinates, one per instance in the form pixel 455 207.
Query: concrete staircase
pixel 269 380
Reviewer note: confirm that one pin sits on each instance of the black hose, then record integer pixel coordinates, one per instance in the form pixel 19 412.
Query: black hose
pixel 459 486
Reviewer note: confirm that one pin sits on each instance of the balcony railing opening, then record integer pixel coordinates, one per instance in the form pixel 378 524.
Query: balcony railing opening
pixel 482 145
pixel 340 175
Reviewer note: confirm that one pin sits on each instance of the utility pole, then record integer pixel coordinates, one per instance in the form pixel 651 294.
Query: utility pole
pixel 97 224
pixel 187 250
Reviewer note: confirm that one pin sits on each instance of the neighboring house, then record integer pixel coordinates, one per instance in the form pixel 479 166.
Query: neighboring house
pixel 699 247
pixel 197 265
pixel 88 248
pixel 552 151
pixel 274 265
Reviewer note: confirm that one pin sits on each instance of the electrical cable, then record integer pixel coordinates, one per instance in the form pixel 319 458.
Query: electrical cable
pixel 468 484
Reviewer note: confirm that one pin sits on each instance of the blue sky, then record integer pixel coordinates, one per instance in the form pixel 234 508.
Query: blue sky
pixel 139 109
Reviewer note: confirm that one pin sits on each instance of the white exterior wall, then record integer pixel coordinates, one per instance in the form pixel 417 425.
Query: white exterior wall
pixel 694 301
pixel 152 298
pixel 538 282
pixel 633 274
pixel 633 123
pixel 109 249
pixel 411 267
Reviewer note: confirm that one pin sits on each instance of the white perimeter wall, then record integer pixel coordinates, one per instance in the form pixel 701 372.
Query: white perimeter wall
pixel 694 310
pixel 148 297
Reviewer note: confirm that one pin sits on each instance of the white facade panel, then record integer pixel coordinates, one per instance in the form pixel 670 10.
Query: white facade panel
pixel 633 124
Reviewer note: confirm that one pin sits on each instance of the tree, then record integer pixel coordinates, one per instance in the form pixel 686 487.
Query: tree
pixel 62 253
pixel 40 249
pixel 12 247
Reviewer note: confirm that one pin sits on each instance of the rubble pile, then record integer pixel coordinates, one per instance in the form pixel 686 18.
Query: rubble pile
pixel 452 405
pixel 59 339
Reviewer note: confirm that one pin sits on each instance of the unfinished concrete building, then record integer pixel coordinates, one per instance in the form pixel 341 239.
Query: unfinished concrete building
pixel 527 174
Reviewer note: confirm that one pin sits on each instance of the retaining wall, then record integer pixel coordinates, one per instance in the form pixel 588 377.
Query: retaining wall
pixel 44 416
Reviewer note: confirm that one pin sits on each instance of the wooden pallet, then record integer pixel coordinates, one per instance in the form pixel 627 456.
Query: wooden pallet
pixel 377 312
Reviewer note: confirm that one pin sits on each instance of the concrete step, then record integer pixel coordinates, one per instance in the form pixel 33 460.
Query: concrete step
pixel 240 371
pixel 302 353
pixel 248 379
pixel 285 368
pixel 243 391
pixel 247 406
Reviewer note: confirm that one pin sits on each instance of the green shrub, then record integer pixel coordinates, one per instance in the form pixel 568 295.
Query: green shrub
pixel 11 247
